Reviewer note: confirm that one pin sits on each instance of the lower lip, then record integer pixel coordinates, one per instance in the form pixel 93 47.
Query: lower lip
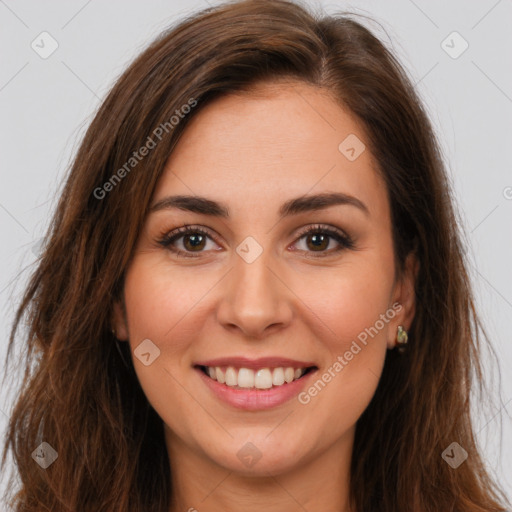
pixel 256 399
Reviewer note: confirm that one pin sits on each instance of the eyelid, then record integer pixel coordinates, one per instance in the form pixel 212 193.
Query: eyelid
pixel 321 227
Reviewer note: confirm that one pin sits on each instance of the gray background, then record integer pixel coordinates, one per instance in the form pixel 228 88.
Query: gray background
pixel 45 105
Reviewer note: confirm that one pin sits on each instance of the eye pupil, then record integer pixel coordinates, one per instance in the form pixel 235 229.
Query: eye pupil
pixel 196 241
pixel 319 241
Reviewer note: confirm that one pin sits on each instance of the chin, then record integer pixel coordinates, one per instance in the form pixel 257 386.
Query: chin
pixel 260 455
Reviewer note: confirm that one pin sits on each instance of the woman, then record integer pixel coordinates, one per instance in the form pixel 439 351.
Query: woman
pixel 253 293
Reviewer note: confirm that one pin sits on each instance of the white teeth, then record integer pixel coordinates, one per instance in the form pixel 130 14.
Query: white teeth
pixel 289 374
pixel 263 379
pixel 231 377
pixel 245 378
pixel 278 376
pixel 221 376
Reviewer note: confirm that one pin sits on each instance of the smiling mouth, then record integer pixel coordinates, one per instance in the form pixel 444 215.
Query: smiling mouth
pixel 247 378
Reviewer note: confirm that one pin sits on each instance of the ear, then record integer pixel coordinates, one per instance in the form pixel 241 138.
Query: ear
pixel 404 294
pixel 119 323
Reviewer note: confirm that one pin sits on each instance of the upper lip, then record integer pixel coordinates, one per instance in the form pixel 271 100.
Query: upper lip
pixel 262 362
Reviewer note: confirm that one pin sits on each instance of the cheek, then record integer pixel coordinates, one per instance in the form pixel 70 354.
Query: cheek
pixel 346 302
pixel 356 342
pixel 349 311
pixel 160 306
pixel 161 300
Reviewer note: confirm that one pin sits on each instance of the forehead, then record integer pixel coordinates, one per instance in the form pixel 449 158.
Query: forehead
pixel 272 142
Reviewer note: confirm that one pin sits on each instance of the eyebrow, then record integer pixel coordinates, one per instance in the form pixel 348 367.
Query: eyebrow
pixel 307 203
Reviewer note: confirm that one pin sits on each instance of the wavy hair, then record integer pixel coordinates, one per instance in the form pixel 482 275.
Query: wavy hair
pixel 78 395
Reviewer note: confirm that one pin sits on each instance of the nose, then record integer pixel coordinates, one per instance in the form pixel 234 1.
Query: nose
pixel 255 299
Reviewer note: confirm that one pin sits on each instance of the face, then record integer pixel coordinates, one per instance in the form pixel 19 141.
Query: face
pixel 265 279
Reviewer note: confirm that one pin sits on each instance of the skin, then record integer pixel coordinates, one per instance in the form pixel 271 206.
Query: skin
pixel 252 152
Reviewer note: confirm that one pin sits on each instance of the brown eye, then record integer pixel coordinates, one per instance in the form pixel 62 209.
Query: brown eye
pixel 194 242
pixel 188 241
pixel 318 238
pixel 317 241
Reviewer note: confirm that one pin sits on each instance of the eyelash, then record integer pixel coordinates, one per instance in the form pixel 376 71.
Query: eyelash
pixel 345 242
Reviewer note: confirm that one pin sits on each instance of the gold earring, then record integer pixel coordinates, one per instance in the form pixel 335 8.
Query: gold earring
pixel 401 339
pixel 114 332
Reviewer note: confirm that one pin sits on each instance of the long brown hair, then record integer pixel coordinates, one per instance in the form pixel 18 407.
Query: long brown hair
pixel 78 395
